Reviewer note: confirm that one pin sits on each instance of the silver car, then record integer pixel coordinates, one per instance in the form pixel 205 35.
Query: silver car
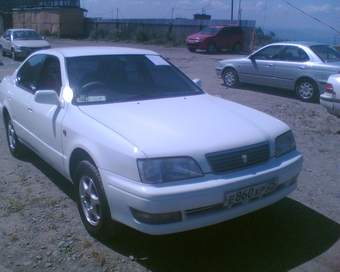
pixel 20 43
pixel 300 66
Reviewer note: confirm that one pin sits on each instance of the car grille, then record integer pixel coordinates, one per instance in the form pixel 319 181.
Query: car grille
pixel 240 158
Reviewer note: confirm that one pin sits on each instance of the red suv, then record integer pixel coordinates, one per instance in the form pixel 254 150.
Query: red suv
pixel 214 38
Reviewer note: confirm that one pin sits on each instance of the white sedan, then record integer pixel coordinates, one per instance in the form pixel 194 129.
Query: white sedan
pixel 331 98
pixel 142 143
pixel 21 42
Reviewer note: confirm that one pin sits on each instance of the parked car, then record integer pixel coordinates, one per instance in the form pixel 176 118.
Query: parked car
pixel 331 98
pixel 20 43
pixel 300 66
pixel 142 143
pixel 214 38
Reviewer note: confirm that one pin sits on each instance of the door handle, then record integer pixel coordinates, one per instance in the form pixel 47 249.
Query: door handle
pixel 301 67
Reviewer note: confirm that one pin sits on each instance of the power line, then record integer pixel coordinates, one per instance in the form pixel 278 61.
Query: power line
pixel 312 17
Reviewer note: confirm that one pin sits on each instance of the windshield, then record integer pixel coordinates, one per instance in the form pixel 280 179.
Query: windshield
pixel 26 35
pixel 121 78
pixel 326 53
pixel 209 30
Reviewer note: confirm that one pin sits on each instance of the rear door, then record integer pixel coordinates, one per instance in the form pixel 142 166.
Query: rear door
pixel 292 64
pixel 22 93
pixel 6 40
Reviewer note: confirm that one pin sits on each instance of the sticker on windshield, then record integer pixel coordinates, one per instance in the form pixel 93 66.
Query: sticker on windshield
pixel 157 60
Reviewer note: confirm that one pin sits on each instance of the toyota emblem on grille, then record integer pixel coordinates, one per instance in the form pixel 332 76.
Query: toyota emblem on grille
pixel 244 158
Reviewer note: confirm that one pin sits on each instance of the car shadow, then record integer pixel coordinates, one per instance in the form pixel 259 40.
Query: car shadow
pixel 277 238
pixel 267 90
pixel 58 179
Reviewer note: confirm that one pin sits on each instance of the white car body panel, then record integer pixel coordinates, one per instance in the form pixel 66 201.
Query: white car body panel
pixel 332 101
pixel 115 135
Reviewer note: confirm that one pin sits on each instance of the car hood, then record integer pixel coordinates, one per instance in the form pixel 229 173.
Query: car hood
pixel 31 43
pixel 191 125
pixel 198 36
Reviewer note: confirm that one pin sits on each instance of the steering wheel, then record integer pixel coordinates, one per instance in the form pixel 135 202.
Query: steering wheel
pixel 88 87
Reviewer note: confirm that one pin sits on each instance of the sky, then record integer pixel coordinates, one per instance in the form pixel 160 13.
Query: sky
pixel 315 20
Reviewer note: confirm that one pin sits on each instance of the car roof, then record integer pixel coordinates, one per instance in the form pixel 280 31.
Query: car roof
pixel 21 29
pixel 80 51
pixel 303 43
pixel 222 26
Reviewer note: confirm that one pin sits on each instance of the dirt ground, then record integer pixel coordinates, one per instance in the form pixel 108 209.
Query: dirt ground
pixel 40 229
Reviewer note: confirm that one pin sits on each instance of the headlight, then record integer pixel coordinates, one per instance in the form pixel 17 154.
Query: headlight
pixel 284 144
pixel 200 39
pixel 22 48
pixel 168 169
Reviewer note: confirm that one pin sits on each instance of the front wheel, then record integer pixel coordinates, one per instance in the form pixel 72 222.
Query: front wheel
pixel 307 90
pixel 16 148
pixel 13 54
pixel 237 48
pixel 230 78
pixel 92 202
pixel 211 48
pixel 192 50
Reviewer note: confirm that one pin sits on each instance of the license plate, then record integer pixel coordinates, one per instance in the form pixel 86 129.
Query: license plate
pixel 250 192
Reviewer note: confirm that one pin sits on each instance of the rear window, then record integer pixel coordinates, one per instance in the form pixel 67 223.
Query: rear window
pixel 326 53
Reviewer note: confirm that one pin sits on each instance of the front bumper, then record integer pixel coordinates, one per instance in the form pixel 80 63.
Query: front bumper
pixel 26 51
pixel 199 202
pixel 197 45
pixel 218 71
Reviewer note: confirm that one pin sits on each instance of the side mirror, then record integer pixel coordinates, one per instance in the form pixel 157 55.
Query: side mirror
pixel 198 82
pixel 49 97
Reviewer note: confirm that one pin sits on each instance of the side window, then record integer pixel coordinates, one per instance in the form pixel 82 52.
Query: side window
pixel 236 31
pixel 294 53
pixel 7 34
pixel 226 31
pixel 50 76
pixel 28 73
pixel 268 53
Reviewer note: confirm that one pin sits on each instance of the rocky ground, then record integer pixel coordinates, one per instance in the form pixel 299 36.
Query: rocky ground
pixel 40 229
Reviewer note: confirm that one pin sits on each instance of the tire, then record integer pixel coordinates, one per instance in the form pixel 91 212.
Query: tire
pixel 92 202
pixel 192 50
pixel 13 55
pixel 307 90
pixel 211 48
pixel 237 48
pixel 230 78
pixel 16 148
pixel 3 53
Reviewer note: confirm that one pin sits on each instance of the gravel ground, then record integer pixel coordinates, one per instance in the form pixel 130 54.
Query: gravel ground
pixel 41 230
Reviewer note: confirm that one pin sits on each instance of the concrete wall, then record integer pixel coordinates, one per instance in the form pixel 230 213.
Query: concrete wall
pixel 179 28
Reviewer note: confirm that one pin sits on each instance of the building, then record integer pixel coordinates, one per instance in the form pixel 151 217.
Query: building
pixel 59 18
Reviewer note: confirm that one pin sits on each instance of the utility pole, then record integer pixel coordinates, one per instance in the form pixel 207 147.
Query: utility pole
pixel 232 9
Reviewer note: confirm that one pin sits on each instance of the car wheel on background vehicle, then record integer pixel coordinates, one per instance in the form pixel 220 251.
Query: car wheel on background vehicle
pixel 91 201
pixel 211 48
pixel 237 48
pixel 192 49
pixel 16 148
pixel 13 54
pixel 230 78
pixel 307 90
pixel 3 53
